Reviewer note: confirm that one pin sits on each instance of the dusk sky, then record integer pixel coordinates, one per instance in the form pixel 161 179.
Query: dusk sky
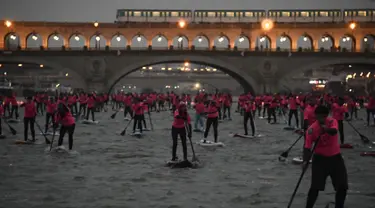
pixel 105 10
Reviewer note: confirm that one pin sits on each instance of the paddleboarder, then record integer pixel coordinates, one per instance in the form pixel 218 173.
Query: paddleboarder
pixel 66 119
pixel 327 159
pixel 181 116
pixel 29 118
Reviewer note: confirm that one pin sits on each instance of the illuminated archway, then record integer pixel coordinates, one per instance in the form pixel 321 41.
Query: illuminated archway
pixel 247 82
pixel 284 43
pixel 118 42
pixel 77 42
pixel 97 42
pixel 242 42
pixel 221 42
pixel 201 42
pixel 180 42
pixel 368 43
pixel 305 42
pixel 12 41
pixel 263 43
pixel 326 42
pixel 55 41
pixel 33 41
pixel 159 42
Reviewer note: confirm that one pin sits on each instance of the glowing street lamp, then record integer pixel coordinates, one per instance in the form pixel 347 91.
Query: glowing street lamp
pixel 197 85
pixel 97 38
pixel 139 38
pixel 76 37
pixel 8 23
pixel 352 25
pixel 160 39
pixel 267 25
pixel 96 24
pixel 34 37
pixel 55 37
pixel 241 39
pixel 118 38
pixel 182 24
pixel 200 39
pixel 186 64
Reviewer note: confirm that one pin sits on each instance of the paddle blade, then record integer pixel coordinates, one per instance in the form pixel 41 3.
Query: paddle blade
pixel 123 132
pixel 113 115
pixel 364 139
pixel 13 131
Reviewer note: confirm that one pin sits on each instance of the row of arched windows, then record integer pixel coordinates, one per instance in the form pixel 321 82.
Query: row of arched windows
pixel 98 42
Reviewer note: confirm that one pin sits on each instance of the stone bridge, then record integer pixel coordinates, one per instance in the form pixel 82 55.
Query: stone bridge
pixel 256 71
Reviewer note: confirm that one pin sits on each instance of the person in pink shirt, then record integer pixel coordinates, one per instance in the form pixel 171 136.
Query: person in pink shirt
pixel 181 119
pixel 339 112
pixel 90 106
pixel 67 121
pixel 29 118
pixel 370 109
pixel 138 111
pixel 51 110
pixel 271 110
pixel 82 104
pixel 199 111
pixel 248 108
pixel 212 119
pixel 292 104
pixel 128 105
pixel 326 159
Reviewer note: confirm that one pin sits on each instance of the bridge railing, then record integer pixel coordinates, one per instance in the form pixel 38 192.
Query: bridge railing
pixel 192 48
pixel 150 51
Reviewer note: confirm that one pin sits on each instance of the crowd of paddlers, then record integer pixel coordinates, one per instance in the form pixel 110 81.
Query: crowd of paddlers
pixel 310 112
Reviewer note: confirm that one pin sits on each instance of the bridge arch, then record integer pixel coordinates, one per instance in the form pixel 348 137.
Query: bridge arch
pixel 246 81
pixel 80 81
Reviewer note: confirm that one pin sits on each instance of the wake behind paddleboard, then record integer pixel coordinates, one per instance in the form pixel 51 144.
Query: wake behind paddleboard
pixel 89 122
pixel 298 160
pixel 207 143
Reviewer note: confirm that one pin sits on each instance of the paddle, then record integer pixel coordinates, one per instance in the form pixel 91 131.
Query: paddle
pixel 285 154
pixel 45 137
pixel 12 130
pixel 53 137
pixel 194 159
pixel 302 174
pixel 363 137
pixel 124 131
pixel 114 115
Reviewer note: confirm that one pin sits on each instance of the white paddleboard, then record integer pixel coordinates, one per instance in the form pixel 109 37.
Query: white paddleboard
pixel 50 133
pixel 246 136
pixel 127 119
pixel 136 134
pixel 298 160
pixel 210 143
pixel 89 122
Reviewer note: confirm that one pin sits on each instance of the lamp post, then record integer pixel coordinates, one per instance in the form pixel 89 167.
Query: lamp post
pixel 352 26
pixel 267 25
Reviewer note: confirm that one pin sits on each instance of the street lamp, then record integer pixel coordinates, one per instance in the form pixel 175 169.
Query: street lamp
pixel 8 23
pixel 182 23
pixel 96 24
pixel 267 25
pixel 352 26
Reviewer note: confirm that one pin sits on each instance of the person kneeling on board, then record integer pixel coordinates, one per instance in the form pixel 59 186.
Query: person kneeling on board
pixel 181 116
pixel 29 117
pixel 65 117
pixel 327 159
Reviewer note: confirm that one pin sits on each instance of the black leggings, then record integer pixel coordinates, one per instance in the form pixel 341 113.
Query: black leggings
pixel 48 117
pixel 341 130
pixel 138 120
pixel 265 108
pixel 92 113
pixel 14 109
pixel 271 112
pixel 226 109
pixel 215 123
pixel 182 133
pixel 1 127
pixel 354 111
pixel 73 108
pixel 293 112
pixel 39 106
pixel 247 116
pixel 26 122
pixel 70 130
pixel 127 110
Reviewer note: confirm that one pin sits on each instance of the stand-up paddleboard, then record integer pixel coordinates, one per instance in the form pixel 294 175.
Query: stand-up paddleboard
pixel 245 136
pixel 198 130
pixel 50 133
pixel 60 149
pixel 298 160
pixel 89 122
pixel 261 117
pixel 28 142
pixel 2 136
pixel 146 129
pixel 137 134
pixel 127 119
pixel 289 128
pixel 370 153
pixel 346 146
pixel 12 120
pixel 207 143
